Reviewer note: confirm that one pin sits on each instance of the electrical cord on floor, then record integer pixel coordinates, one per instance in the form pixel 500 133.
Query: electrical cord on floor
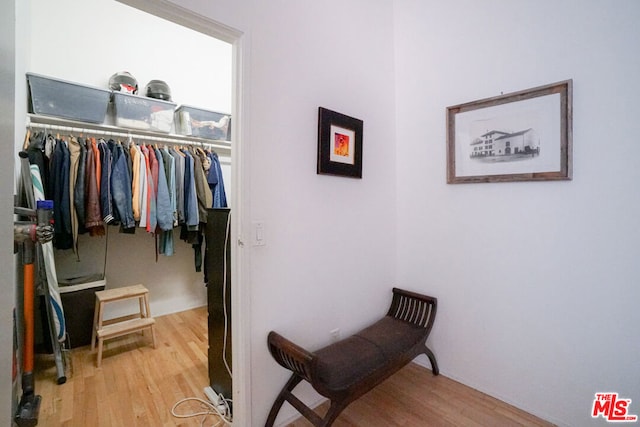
pixel 224 300
pixel 207 409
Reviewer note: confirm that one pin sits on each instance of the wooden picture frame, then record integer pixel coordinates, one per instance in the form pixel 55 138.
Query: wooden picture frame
pixel 339 144
pixel 520 136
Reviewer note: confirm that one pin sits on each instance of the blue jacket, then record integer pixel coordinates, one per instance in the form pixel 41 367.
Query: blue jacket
pixel 190 196
pixel 164 213
pixel 121 188
pixel 216 181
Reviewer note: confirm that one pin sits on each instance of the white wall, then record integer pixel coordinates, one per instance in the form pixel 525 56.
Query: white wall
pixel 89 42
pixel 541 312
pixel 8 31
pixel 329 258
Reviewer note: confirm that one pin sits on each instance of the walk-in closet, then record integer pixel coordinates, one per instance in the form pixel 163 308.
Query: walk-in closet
pixel 87 43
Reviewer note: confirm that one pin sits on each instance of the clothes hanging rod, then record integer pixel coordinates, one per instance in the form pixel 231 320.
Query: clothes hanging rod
pixel 63 125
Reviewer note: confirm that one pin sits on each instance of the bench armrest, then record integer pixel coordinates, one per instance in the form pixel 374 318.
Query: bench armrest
pixel 414 308
pixel 291 356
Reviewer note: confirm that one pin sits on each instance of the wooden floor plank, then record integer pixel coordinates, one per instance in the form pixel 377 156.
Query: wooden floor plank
pixel 138 385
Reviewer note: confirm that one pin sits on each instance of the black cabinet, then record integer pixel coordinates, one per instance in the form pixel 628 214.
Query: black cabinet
pixel 218 273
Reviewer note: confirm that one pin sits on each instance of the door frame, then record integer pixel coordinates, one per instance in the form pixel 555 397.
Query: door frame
pixel 240 298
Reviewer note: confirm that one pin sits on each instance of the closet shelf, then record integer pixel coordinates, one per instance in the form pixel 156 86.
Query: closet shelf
pixel 65 125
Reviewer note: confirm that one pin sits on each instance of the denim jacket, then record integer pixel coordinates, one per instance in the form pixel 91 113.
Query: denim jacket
pixel 121 188
pixel 164 214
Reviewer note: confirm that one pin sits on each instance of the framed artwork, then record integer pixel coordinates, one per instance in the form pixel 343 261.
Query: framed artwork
pixel 521 136
pixel 339 144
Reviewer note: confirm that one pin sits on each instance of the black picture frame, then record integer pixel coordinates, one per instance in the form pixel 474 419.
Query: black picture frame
pixel 339 144
pixel 520 136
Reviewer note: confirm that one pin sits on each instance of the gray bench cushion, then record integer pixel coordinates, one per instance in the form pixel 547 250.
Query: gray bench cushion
pixel 392 336
pixel 348 361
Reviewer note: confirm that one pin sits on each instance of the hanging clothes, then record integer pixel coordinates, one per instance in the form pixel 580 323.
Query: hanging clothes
pixel 37 156
pixel 95 183
pixel 190 197
pixel 216 181
pixel 144 187
pixel 163 202
pixel 106 198
pixel 166 237
pixel 135 181
pixel 74 161
pixel 203 192
pixel 150 221
pixel 170 171
pixel 93 214
pixel 129 160
pixel 205 200
pixel 152 215
pixel 179 171
pixel 121 189
pixel 79 188
pixel 59 186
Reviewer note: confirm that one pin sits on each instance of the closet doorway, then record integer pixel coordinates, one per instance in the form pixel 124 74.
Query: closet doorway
pixel 78 53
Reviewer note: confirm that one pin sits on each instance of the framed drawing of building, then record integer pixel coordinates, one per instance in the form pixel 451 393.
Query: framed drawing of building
pixel 521 136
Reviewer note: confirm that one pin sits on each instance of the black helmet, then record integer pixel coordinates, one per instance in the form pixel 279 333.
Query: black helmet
pixel 158 89
pixel 123 81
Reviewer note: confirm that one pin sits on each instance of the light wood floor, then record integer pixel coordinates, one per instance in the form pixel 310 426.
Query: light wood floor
pixel 413 397
pixel 138 386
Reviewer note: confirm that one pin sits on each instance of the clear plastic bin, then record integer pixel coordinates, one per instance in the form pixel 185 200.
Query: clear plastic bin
pixel 140 112
pixel 54 97
pixel 201 123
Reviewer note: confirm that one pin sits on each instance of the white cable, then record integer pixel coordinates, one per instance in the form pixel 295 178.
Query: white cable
pixel 208 409
pixel 224 297
pixel 225 406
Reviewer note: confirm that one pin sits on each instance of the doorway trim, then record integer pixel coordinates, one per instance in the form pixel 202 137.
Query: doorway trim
pixel 240 298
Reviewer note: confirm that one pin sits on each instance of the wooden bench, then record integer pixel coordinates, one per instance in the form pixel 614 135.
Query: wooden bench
pixel 347 369
pixel 113 328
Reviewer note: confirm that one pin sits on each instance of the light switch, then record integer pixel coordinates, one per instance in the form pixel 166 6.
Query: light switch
pixel 258 233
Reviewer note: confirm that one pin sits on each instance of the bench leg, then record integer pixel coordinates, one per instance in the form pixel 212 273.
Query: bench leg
pixel 289 386
pixel 432 359
pixel 285 395
pixel 334 410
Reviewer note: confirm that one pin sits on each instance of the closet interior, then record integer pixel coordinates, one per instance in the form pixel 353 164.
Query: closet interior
pixel 158 236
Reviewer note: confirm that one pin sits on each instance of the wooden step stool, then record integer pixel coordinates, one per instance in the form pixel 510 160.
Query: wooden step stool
pixel 112 328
